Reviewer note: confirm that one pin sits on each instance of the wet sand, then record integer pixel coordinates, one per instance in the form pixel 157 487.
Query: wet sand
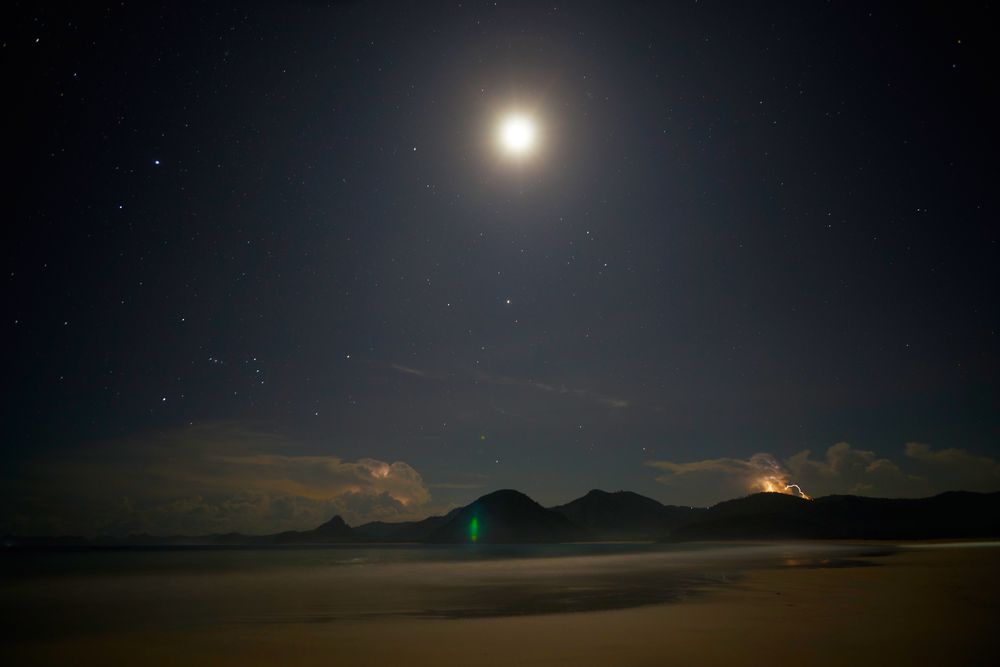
pixel 927 606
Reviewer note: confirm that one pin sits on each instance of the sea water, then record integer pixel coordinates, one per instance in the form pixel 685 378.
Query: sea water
pixel 66 591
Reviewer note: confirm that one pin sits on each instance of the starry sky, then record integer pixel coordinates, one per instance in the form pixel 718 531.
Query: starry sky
pixel 265 262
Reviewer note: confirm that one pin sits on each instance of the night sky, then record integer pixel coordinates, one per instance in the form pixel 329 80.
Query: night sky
pixel 266 263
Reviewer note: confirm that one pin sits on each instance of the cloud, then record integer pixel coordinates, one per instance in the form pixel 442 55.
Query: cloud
pixel 412 371
pixel 506 381
pixel 321 477
pixel 725 466
pixel 586 394
pixel 215 478
pixel 842 469
pixel 954 467
pixel 760 472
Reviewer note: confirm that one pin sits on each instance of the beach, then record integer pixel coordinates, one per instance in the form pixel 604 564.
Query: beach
pixel 926 605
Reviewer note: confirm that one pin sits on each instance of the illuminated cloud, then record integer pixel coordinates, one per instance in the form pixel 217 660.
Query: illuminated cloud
pixel 323 477
pixel 842 469
pixel 216 478
pixel 760 472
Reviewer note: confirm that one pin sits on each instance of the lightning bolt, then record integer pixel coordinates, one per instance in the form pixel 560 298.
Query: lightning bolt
pixel 771 477
pixel 798 489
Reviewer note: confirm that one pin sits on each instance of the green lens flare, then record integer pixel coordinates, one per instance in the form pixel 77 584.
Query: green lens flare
pixel 474 529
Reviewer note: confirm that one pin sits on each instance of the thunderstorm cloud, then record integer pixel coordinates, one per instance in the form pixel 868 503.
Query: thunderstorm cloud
pixel 207 479
pixel 842 469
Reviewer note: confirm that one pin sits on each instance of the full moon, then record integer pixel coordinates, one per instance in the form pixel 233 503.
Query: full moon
pixel 517 134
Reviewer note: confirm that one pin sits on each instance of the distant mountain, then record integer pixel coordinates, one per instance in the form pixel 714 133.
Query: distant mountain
pixel 758 516
pixel 507 516
pixel 334 531
pixel 774 516
pixel 405 531
pixel 624 515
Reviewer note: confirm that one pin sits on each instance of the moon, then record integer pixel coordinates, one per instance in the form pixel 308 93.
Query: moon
pixel 518 134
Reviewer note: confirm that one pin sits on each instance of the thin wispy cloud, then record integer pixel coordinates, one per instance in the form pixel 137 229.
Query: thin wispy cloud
pixel 479 377
pixel 408 370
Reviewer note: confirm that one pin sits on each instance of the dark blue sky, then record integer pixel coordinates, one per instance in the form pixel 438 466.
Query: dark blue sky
pixel 285 230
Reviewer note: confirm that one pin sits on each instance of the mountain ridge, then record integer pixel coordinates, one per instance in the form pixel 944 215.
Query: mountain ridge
pixel 625 515
pixel 509 516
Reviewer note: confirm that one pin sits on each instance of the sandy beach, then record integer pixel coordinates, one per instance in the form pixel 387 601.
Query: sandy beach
pixel 921 606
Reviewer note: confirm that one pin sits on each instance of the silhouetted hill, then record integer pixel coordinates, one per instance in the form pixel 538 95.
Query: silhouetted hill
pixel 759 516
pixel 333 531
pixel 404 531
pixel 507 516
pixel 624 515
pixel 774 516
pixel 510 516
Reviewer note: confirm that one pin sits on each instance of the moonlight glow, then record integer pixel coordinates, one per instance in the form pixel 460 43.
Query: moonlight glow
pixel 517 134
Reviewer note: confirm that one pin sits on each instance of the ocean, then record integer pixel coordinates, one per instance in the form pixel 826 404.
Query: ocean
pixel 58 592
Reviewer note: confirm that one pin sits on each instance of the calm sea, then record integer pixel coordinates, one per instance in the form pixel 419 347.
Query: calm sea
pixel 59 592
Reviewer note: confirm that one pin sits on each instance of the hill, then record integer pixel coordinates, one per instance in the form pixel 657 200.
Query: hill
pixel 507 516
pixel 404 531
pixel 624 515
pixel 334 531
pixel 774 516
